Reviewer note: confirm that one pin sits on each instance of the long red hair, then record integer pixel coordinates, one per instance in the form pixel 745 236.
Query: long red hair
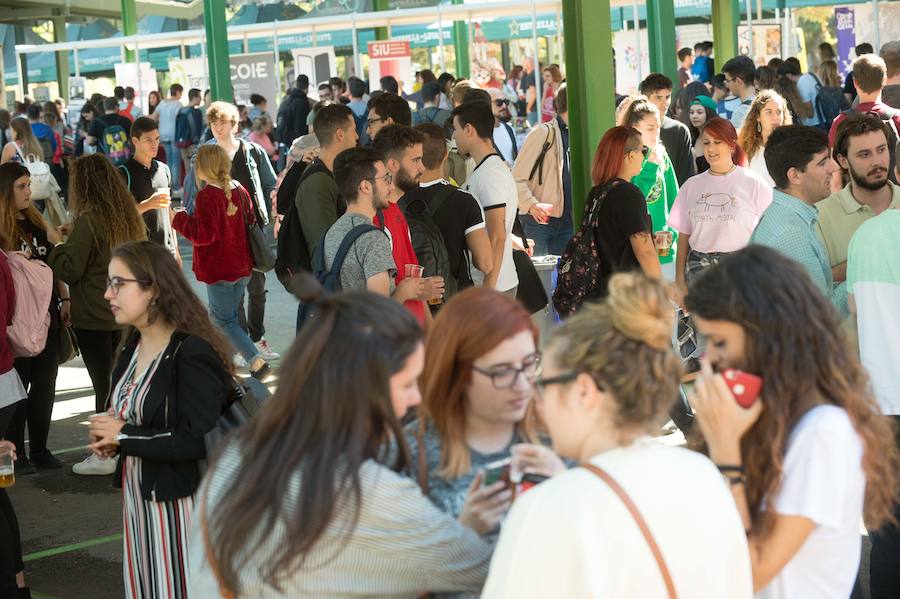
pixel 472 323
pixel 723 130
pixel 610 153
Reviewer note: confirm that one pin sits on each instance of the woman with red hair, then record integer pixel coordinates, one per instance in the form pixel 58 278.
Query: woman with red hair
pixel 716 211
pixel 481 360
pixel 616 211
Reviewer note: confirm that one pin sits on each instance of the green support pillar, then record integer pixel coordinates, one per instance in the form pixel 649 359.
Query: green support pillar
pixel 217 50
pixel 726 15
pixel 62 58
pixel 461 46
pixel 129 24
pixel 661 36
pixel 381 33
pixel 591 93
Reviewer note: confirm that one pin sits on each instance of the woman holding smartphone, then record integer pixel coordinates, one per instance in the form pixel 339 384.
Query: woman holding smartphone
pixel 609 377
pixel 309 499
pixel 813 456
pixel 169 385
pixel 480 364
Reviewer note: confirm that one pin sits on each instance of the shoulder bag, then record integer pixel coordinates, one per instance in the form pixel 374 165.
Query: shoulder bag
pixel 260 251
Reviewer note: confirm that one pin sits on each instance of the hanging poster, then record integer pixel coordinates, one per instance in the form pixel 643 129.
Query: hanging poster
pixel 317 63
pixel 253 74
pixel 845 18
pixel 391 58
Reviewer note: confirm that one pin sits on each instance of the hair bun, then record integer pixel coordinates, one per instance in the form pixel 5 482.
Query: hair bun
pixel 641 310
pixel 307 288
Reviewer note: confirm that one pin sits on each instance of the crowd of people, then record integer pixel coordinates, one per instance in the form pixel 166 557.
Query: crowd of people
pixel 731 271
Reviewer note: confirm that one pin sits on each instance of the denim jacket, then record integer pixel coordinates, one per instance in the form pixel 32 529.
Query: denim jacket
pixel 261 173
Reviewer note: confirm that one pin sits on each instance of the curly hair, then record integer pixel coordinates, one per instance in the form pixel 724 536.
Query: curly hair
pixel 96 185
pixel 795 342
pixel 750 137
pixel 625 345
pixel 10 233
pixel 173 300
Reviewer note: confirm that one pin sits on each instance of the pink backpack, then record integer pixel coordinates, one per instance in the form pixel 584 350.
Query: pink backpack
pixel 33 281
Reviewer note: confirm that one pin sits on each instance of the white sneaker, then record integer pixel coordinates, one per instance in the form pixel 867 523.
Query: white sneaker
pixel 266 352
pixel 94 466
pixel 239 361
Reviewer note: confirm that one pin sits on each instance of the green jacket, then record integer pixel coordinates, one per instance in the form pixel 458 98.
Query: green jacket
pixel 82 262
pixel 659 187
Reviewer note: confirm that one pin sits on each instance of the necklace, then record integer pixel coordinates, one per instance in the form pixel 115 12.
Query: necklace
pixel 728 172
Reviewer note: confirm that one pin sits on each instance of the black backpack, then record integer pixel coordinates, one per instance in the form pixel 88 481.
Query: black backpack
pixel 331 279
pixel 830 102
pixel 292 254
pixel 579 274
pixel 427 241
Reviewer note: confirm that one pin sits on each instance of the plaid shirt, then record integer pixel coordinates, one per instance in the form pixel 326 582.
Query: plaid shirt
pixel 789 226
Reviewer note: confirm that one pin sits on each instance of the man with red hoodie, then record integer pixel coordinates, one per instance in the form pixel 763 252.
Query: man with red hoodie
pixel 402 149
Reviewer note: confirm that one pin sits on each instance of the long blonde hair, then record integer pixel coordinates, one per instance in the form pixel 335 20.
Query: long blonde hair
pixel 10 233
pixel 213 165
pixel 96 185
pixel 30 145
pixel 827 72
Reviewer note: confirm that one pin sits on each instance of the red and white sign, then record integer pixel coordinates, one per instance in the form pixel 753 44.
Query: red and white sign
pixel 383 50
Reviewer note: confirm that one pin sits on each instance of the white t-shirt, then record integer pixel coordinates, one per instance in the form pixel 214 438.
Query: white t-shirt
pixel 740 112
pixel 823 481
pixel 168 113
pixel 758 166
pixel 807 85
pixel 504 143
pixel 720 212
pixel 493 186
pixel 573 537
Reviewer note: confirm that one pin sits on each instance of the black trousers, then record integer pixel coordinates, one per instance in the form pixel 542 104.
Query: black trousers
pixel 98 350
pixel 38 375
pixel 884 561
pixel 10 540
pixel 253 320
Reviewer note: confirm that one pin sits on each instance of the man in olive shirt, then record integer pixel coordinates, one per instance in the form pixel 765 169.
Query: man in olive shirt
pixel 318 203
pixel 861 148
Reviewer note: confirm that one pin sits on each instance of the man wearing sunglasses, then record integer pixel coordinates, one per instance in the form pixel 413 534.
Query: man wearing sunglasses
pixel 504 136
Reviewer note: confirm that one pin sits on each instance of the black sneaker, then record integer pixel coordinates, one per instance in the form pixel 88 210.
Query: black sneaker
pixel 23 466
pixel 45 460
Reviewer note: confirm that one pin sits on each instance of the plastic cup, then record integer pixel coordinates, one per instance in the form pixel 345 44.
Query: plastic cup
pixel 7 470
pixel 663 242
pixel 413 271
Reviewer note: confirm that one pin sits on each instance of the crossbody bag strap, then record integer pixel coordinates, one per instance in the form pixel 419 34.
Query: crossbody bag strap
pixel 639 520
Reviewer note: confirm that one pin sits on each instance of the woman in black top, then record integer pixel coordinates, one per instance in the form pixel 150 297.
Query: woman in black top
pixel 618 208
pixel 22 228
pixel 169 385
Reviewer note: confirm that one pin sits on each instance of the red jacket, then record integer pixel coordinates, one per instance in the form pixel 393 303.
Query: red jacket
pixel 7 307
pixel 403 252
pixel 221 250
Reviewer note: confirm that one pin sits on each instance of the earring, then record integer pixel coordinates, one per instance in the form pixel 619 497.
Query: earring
pixel 758 127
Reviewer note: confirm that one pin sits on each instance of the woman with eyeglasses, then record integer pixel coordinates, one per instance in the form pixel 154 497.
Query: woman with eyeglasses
pixel 616 211
pixel 105 216
pixel 609 376
pixel 481 359
pixel 169 385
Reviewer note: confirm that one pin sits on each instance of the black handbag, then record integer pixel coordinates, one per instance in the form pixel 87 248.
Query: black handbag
pixel 531 292
pixel 260 251
pixel 68 344
pixel 244 402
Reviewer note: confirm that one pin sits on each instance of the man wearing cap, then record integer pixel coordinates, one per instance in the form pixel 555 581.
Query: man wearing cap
pixel 431 111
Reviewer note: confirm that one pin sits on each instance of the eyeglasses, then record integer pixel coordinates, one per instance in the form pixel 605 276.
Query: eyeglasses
pixel 562 379
pixel 388 178
pixel 505 376
pixel 373 121
pixel 116 283
pixel 501 102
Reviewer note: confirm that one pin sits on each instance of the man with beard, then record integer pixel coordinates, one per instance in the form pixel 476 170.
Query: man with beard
pixel 364 182
pixel 861 148
pixel 800 163
pixel 504 136
pixel 402 149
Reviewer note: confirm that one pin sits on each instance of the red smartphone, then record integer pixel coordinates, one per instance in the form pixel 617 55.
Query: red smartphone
pixel 746 387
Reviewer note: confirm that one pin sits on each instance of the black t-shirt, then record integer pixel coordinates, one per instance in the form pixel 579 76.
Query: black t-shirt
pixel 34 238
pixel 143 183
pixel 108 120
pixel 457 215
pixel 622 214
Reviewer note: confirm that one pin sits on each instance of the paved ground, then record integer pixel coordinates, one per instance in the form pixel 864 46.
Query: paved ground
pixel 71 525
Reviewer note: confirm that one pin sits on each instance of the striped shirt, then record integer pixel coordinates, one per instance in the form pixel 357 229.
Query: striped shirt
pixel 789 226
pixel 401 546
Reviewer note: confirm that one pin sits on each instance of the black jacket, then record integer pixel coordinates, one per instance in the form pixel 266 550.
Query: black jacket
pixel 676 138
pixel 292 116
pixel 183 403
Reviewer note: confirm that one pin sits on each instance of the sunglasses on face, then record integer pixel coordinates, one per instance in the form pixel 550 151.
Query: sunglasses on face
pixel 501 102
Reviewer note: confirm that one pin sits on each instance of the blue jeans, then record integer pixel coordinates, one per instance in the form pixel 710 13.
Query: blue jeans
pixel 549 238
pixel 224 298
pixel 173 159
